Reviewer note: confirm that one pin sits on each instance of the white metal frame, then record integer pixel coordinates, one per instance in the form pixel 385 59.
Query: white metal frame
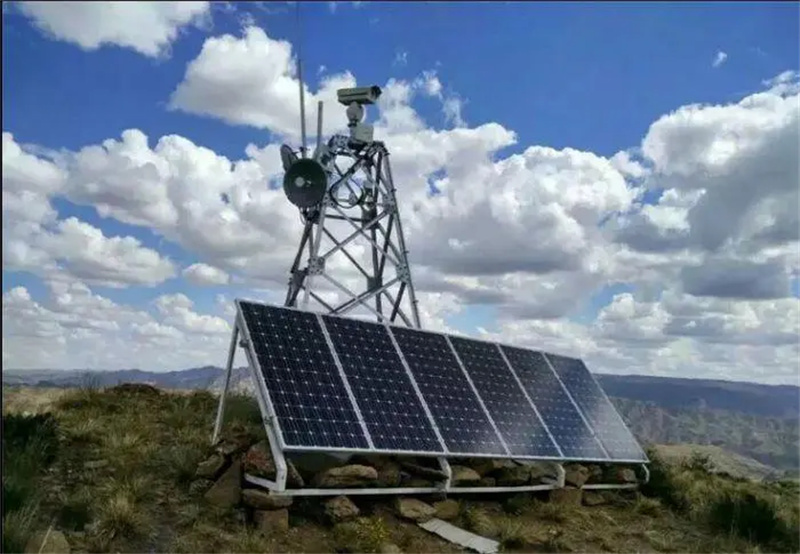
pixel 241 337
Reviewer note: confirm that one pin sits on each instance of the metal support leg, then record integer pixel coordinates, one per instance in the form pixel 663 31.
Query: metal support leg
pixel 226 386
pixel 561 476
pixel 646 472
pixel 445 465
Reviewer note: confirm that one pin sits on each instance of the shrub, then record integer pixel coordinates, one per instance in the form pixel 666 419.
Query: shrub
pixel 365 534
pixel 17 528
pixel 30 444
pixel 512 533
pixel 665 484
pixel 752 517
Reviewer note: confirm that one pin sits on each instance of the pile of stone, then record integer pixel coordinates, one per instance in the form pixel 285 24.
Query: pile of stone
pixel 578 476
pixel 220 479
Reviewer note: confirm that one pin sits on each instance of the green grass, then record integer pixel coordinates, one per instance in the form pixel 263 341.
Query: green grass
pixel 364 534
pixel 763 514
pixel 144 446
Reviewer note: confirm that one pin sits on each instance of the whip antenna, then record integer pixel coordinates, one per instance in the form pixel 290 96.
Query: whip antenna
pixel 300 79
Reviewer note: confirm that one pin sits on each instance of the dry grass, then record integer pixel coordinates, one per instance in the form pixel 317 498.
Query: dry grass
pixel 147 445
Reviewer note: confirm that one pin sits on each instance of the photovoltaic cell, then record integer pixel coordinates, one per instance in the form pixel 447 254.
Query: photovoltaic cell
pixel 392 411
pixel 557 410
pixel 303 382
pixel 516 419
pixel 459 417
pixel 598 410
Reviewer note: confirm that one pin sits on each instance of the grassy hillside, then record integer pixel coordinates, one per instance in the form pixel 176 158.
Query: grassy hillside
pixel 114 470
pixel 772 441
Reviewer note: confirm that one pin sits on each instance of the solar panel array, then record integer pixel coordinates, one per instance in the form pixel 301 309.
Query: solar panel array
pixel 340 384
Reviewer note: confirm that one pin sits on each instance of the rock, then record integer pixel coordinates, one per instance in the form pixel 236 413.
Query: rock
pixel 595 474
pixel 389 475
pixel 227 491
pixel 513 476
pixel 200 486
pixel 447 509
pixel 424 471
pixel 576 475
pixel 626 475
pixel 487 482
pixel 567 496
pixel 210 468
pixel 229 446
pixel 540 471
pixel 417 483
pixel 262 500
pixel 258 462
pixel 591 498
pixel 415 510
pixel 341 509
pixel 346 476
pixel 271 520
pixel 96 464
pixel 462 475
pixel 389 548
pixel 488 466
pixel 52 542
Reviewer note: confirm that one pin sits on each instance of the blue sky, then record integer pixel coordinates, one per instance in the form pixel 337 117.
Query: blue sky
pixel 591 77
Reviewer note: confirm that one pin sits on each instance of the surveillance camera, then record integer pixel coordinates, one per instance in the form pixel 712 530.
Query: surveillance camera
pixel 359 95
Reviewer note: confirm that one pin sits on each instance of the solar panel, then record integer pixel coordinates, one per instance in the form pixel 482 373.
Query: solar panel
pixel 307 393
pixel 598 410
pixel 394 415
pixel 514 416
pixel 462 422
pixel 559 413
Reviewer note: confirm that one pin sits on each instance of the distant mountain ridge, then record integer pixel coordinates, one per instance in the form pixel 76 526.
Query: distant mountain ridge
pixel 781 401
pixel 754 420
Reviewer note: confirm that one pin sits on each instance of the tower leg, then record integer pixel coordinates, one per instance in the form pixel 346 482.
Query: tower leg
pixel 226 386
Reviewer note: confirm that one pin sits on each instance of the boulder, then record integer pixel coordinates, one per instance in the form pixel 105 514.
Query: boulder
pixel 199 486
pixel 389 548
pixel 48 542
pixel 447 509
pixel 389 475
pixel 568 496
pixel 262 500
pixel 513 476
pixel 576 475
pixel 591 498
pixel 415 510
pixel 488 466
pixel 487 482
pixel 424 471
pixel 626 475
pixel 267 521
pixel 462 475
pixel 233 445
pixel 418 483
pixel 227 491
pixel 210 468
pixel 258 462
pixel 595 474
pixel 340 509
pixel 539 471
pixel 346 476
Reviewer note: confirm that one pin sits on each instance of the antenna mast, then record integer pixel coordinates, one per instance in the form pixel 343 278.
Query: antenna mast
pixel 300 81
pixel 346 196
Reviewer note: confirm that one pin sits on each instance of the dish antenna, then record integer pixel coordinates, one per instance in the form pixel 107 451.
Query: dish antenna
pixel 349 173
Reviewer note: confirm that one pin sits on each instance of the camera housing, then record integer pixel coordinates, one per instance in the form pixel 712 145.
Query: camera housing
pixel 359 95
